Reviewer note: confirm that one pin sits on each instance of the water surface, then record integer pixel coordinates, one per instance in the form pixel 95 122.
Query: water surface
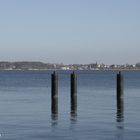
pixel 25 106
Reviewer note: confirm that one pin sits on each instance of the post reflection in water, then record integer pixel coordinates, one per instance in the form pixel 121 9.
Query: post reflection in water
pixel 120 119
pixel 73 109
pixel 73 116
pixel 120 114
pixel 54 117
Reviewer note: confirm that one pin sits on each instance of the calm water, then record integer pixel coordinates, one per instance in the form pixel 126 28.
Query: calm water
pixel 25 107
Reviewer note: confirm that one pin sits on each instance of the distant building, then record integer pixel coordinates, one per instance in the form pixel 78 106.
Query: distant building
pixel 65 68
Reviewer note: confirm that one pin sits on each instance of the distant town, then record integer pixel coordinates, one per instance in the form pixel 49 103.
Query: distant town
pixel 28 65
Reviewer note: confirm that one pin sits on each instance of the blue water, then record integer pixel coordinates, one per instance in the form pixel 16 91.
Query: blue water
pixel 25 106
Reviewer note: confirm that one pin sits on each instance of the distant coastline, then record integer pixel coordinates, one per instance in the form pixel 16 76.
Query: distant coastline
pixel 35 65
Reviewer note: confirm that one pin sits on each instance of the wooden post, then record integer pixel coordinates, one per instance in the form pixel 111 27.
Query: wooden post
pixel 120 85
pixel 120 96
pixel 73 93
pixel 54 93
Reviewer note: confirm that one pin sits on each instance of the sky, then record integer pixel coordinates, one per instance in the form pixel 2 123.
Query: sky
pixel 70 31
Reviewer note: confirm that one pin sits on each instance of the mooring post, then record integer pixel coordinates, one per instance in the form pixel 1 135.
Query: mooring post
pixel 54 93
pixel 120 96
pixel 120 85
pixel 73 93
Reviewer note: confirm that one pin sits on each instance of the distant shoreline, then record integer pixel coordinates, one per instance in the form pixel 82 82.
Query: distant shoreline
pixel 36 65
pixel 69 70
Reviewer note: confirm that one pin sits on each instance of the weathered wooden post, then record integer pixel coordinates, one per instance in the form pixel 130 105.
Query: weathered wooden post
pixel 73 93
pixel 54 93
pixel 120 96
pixel 120 85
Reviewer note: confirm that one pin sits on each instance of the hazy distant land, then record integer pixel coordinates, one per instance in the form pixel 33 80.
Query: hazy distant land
pixel 34 65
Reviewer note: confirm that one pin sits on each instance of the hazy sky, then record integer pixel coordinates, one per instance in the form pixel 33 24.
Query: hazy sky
pixel 70 31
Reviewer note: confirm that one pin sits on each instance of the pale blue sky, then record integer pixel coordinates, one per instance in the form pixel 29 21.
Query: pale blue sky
pixel 70 31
